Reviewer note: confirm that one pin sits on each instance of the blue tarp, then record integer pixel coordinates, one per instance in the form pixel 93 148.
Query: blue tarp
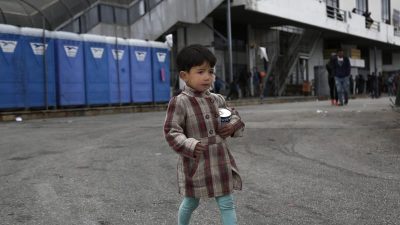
pixel 160 71
pixel 96 70
pixel 70 69
pixel 12 92
pixel 140 65
pixel 36 71
pixel 79 69
pixel 118 61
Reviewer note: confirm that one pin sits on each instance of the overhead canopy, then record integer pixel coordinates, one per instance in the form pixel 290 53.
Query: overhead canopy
pixel 35 13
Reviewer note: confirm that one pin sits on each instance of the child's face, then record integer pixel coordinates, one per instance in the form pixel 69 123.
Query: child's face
pixel 199 78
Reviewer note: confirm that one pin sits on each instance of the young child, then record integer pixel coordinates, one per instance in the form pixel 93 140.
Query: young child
pixel 193 129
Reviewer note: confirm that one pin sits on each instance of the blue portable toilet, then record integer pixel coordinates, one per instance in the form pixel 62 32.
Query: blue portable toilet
pixel 140 70
pixel 11 78
pixel 118 65
pixel 38 92
pixel 70 69
pixel 160 71
pixel 97 79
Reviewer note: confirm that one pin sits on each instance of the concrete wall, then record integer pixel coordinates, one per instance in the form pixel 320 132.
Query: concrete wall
pixel 395 63
pixel 347 5
pixel 168 13
pixel 378 60
pixel 111 30
pixel 395 4
pixel 313 12
pixel 200 34
pixel 161 18
pixel 375 7
pixel 316 58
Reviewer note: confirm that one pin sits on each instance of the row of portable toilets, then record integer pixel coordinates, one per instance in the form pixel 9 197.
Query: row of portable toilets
pixel 49 69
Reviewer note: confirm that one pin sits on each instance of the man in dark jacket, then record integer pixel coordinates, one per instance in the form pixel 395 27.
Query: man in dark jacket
pixel 331 80
pixel 341 70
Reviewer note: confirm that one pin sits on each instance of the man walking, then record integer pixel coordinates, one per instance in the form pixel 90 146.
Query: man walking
pixel 331 80
pixel 341 70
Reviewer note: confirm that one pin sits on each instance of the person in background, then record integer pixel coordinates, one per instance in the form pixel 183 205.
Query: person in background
pixel 360 84
pixel 233 90
pixel 218 84
pixel 390 84
pixel 374 85
pixel 243 82
pixel 351 84
pixel 262 77
pixel 381 84
pixel 341 68
pixel 331 80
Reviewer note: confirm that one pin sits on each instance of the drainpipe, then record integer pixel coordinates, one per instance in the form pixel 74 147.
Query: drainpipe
pixel 117 58
pixel 376 83
pixel 46 87
pixel 228 19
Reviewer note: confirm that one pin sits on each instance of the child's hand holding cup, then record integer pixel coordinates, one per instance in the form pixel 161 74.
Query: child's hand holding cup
pixel 226 129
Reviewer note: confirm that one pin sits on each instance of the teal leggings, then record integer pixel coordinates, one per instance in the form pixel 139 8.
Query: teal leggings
pixel 225 204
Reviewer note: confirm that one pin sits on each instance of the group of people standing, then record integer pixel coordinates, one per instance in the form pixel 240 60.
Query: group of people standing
pixel 338 69
pixel 341 83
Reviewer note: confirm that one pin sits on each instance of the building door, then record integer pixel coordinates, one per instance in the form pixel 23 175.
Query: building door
pixel 302 71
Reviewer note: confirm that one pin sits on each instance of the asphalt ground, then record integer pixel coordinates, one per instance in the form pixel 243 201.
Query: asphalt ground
pixel 301 163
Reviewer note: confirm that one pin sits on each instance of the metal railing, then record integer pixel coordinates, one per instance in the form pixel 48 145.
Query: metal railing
pixel 336 13
pixel 304 46
pixel 396 31
pixel 373 25
pixel 135 11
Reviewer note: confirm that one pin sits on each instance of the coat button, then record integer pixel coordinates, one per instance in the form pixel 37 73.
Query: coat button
pixel 211 132
pixel 216 115
pixel 207 116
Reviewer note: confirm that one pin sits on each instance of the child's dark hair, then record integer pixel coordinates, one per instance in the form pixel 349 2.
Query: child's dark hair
pixel 194 55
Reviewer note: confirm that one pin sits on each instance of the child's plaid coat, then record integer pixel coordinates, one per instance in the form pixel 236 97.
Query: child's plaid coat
pixel 193 117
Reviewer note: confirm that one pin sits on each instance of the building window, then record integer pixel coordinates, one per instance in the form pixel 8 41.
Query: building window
pixel 106 14
pixel 362 6
pixel 74 26
pixel 90 19
pixel 386 11
pixel 121 16
pixel 396 19
pixel 387 58
pixel 152 4
pixel 136 11
pixel 333 3
pixel 332 7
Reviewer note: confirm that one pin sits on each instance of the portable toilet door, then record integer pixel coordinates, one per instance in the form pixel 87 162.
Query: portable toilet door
pixel 118 61
pixel 70 69
pixel 97 79
pixel 38 65
pixel 140 70
pixel 11 78
pixel 161 72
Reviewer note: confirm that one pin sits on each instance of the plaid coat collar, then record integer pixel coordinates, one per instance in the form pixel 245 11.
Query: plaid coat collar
pixel 193 93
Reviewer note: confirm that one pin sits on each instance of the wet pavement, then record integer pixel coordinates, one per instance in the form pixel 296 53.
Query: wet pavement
pixel 301 163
